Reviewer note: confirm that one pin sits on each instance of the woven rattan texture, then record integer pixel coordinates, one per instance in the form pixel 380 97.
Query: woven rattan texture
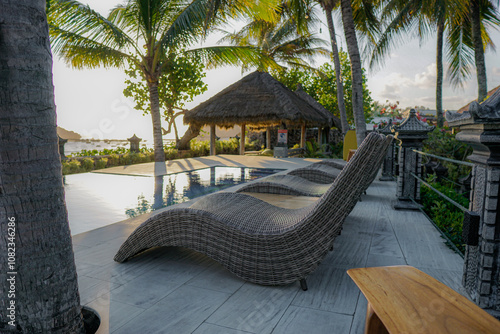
pixel 253 239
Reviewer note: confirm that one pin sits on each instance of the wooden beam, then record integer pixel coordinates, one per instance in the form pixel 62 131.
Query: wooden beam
pixel 303 136
pixel 268 138
pixel 212 139
pixel 242 142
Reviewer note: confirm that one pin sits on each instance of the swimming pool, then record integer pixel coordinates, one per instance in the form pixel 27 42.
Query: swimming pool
pixel 95 200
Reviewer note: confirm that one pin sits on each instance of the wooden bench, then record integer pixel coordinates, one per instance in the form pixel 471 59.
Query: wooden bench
pixel 402 299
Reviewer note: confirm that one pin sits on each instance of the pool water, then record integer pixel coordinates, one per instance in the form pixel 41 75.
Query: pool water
pixel 95 200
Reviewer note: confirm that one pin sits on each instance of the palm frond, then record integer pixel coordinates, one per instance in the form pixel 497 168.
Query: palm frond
pixel 218 56
pixel 460 53
pixel 81 52
pixel 402 21
pixel 70 15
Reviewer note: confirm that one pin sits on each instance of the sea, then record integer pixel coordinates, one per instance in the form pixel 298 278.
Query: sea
pixel 76 146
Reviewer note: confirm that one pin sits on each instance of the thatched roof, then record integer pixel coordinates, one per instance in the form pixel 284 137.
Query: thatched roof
pixel 258 100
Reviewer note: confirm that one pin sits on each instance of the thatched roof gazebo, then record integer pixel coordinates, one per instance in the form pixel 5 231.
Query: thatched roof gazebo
pixel 259 101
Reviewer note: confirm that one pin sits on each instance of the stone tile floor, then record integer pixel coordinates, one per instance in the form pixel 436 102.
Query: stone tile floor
pixel 176 290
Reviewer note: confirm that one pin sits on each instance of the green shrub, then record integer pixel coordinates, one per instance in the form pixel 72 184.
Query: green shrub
pixel 101 163
pixel 87 164
pixel 170 154
pixel 71 167
pixel 446 216
pixel 199 148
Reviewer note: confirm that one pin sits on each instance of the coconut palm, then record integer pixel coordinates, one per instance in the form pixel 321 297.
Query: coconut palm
pixel 34 224
pixel 356 69
pixel 328 6
pixel 144 33
pixel 451 20
pixel 278 40
pixel 482 14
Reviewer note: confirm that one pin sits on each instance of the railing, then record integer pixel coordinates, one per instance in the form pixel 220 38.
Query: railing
pixel 467 236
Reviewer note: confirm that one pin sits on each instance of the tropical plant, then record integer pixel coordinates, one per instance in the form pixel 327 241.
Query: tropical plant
pixel 356 69
pixel 279 40
pixel 38 280
pixel 144 35
pixel 452 21
pixel 328 6
pixel 323 88
pixel 179 83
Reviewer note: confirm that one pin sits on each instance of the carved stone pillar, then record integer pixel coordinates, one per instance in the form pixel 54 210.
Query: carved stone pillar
pixel 411 134
pixel 480 127
pixel 388 165
pixel 134 143
pixel 62 142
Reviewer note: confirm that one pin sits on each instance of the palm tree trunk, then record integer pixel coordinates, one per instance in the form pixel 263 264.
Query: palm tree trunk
pixel 42 286
pixel 156 118
pixel 482 89
pixel 439 74
pixel 356 71
pixel 338 71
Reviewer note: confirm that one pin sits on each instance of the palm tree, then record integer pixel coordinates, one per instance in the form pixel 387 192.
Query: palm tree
pixel 277 40
pixel 481 12
pixel 143 33
pixel 452 18
pixel 328 6
pixel 38 276
pixel 356 69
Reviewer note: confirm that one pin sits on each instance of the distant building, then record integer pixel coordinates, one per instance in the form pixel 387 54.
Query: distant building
pixel 466 107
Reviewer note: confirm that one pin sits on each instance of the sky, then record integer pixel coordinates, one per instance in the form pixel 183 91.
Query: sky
pixel 91 102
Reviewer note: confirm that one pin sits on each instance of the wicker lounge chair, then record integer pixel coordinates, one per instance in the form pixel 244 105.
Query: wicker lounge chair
pixel 317 173
pixel 289 184
pixel 255 240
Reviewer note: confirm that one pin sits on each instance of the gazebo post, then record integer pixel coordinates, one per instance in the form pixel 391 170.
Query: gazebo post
pixel 303 135
pixel 242 142
pixel 320 132
pixel 268 138
pixel 212 139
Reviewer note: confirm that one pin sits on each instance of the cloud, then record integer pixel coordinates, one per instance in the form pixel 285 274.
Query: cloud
pixel 496 71
pixel 427 78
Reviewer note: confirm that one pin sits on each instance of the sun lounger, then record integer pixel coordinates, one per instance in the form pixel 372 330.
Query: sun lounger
pixel 318 173
pixel 255 240
pixel 291 184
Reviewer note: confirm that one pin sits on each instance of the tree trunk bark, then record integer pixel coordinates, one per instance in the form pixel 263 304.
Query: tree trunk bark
pixel 38 279
pixel 439 75
pixel 356 71
pixel 156 118
pixel 482 89
pixel 338 71
pixel 192 132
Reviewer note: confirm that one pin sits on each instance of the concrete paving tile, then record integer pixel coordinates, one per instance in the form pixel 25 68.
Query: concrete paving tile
pixel 113 314
pixel 330 289
pixel 431 255
pixel 359 319
pixel 142 293
pixel 377 260
pixel 385 244
pixel 214 329
pixel 299 320
pixel 218 278
pixel 253 308
pixel 348 252
pixel 181 312
pixel 96 291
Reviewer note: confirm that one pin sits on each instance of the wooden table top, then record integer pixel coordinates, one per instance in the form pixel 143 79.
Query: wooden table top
pixel 407 300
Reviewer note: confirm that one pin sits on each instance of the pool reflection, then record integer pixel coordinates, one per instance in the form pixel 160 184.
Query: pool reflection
pixel 181 187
